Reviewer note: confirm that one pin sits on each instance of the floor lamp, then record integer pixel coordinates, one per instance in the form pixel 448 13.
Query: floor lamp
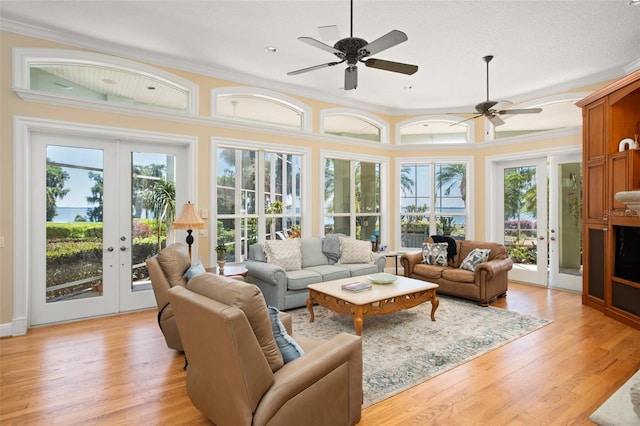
pixel 189 220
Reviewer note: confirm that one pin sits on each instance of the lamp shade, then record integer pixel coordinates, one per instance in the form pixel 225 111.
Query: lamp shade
pixel 189 218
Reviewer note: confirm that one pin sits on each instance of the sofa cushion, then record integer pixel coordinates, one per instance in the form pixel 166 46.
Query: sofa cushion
pixel 299 280
pixel 355 251
pixel 289 349
pixel 428 271
pixel 458 275
pixel 474 258
pixel 331 272
pixel 174 261
pixel 358 269
pixel 312 254
pixel 284 253
pixel 435 253
pixel 248 298
pixel 256 252
pixel 195 270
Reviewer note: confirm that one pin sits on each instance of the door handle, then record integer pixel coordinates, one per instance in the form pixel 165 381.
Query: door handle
pixel 123 248
pixel 109 249
pixel 541 238
pixel 552 238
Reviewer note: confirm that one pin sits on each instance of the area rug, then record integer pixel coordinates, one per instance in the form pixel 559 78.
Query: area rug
pixel 404 349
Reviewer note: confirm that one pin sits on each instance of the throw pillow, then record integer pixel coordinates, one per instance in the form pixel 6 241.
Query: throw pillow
pixel 195 270
pixel 355 251
pixel 284 253
pixel 289 349
pixel 435 253
pixel 474 258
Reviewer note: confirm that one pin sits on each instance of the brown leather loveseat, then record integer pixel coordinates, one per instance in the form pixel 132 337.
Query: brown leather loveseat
pixel 488 281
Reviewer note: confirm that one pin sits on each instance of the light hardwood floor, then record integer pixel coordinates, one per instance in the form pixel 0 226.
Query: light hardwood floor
pixel 117 371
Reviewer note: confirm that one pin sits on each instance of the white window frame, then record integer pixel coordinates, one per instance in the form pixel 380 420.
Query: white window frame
pixel 384 191
pixel 426 119
pixel 276 97
pixel 24 57
pixel 432 161
pixel 305 187
pixel 362 115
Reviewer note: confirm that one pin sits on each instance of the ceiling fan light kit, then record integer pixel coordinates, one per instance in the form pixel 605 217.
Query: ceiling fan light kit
pixel 493 109
pixel 354 49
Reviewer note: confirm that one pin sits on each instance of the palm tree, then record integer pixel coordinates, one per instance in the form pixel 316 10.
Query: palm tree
pixel 452 175
pixel 164 206
pixel 519 194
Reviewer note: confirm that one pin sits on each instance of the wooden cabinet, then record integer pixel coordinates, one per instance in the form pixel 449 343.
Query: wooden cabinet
pixel 610 115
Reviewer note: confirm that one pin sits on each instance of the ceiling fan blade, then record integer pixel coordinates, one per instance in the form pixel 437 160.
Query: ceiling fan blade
pixel 466 119
pixel 520 111
pixel 315 67
pixel 391 66
pixel 321 45
pixel 386 41
pixel 495 120
pixel 350 78
pixel 502 104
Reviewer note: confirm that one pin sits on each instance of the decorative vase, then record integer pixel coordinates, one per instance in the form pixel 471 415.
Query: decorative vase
pixel 221 267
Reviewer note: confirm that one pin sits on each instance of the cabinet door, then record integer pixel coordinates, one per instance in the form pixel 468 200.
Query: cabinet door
pixel 594 264
pixel 619 178
pixel 594 192
pixel 595 130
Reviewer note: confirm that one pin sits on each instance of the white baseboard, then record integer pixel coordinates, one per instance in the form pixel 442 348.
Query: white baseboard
pixel 5 330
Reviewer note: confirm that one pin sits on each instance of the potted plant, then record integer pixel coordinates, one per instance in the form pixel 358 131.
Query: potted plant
pixel 221 249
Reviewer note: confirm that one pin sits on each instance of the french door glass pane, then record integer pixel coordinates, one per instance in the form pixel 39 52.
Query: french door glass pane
pixel 520 224
pixel 74 190
pixel 570 218
pixel 147 171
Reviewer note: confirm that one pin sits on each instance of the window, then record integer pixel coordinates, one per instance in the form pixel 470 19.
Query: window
pixel 433 200
pixel 353 124
pixel 352 198
pixel 434 130
pixel 260 107
pixel 249 211
pixel 101 79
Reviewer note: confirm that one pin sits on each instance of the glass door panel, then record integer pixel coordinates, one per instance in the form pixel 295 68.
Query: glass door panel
pixel 565 218
pixel 524 212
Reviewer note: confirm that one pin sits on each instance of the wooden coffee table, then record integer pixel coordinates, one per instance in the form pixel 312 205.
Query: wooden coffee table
pixel 403 293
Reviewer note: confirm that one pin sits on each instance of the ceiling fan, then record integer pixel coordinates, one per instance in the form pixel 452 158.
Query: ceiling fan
pixel 492 109
pixel 353 50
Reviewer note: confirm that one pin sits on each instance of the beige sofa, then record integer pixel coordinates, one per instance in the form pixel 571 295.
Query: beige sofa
pixel 489 280
pixel 236 374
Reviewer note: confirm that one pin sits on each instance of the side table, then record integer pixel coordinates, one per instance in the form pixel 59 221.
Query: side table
pixel 394 254
pixel 230 270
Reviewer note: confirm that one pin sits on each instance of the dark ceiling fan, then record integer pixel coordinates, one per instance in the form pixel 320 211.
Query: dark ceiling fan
pixel 353 50
pixel 492 109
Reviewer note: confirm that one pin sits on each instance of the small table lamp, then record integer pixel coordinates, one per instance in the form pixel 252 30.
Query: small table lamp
pixel 189 220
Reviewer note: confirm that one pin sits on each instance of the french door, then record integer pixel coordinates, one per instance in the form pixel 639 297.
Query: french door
pixel 522 217
pixel 91 223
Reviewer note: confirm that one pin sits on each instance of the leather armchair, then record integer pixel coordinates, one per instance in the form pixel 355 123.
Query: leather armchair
pixel 167 270
pixel 234 376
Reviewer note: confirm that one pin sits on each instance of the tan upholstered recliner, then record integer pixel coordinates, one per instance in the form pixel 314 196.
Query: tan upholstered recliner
pixel 166 270
pixel 236 374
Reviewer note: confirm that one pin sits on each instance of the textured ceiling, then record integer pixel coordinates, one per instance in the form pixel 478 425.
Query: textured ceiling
pixel 540 47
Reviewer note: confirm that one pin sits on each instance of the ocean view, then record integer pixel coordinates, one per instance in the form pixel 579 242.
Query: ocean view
pixel 68 214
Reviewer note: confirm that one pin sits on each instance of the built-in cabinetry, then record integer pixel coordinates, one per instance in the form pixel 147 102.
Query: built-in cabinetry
pixel 611 232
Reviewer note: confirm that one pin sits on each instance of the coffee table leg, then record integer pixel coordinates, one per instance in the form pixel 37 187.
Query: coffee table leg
pixel 435 302
pixel 310 307
pixel 358 320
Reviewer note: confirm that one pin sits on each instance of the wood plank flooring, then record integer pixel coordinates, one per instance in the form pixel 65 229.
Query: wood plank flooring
pixel 117 370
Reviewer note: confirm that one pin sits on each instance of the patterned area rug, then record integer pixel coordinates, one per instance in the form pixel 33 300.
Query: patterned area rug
pixel 406 348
